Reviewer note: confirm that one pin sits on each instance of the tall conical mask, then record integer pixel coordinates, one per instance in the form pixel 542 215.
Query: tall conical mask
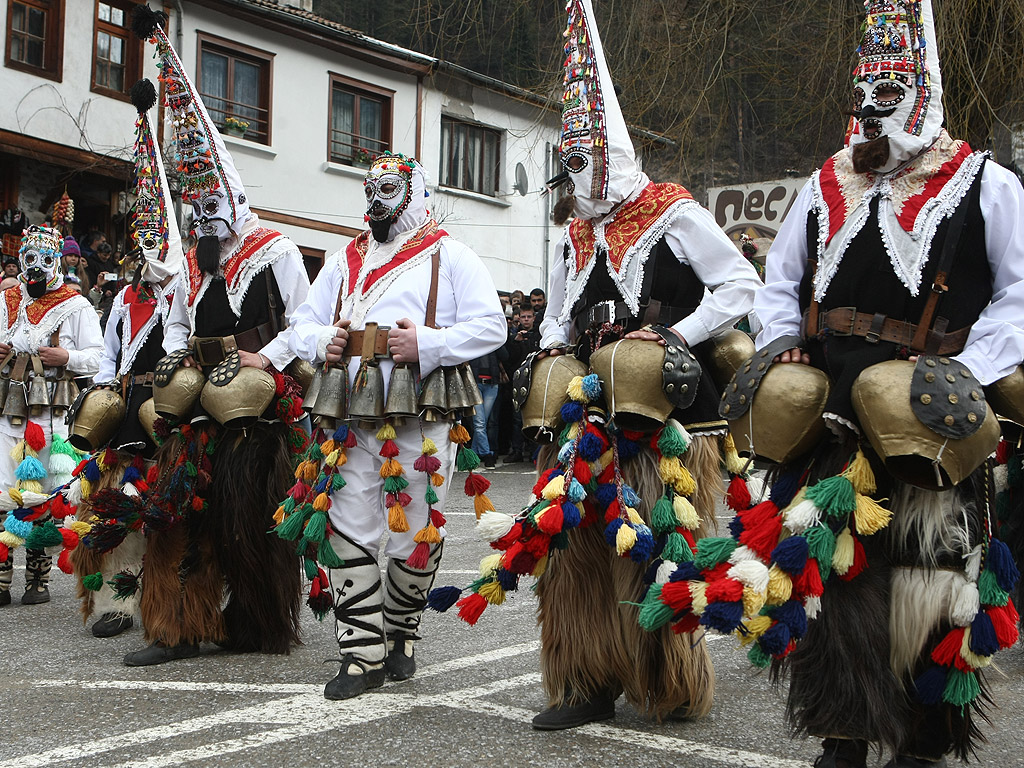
pixel 595 147
pixel 897 85
pixel 209 178
pixel 154 227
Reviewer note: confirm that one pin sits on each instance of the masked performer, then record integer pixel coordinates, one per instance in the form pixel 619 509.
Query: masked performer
pixel 240 285
pixel 424 306
pixel 133 343
pixel 627 292
pixel 894 294
pixel 49 336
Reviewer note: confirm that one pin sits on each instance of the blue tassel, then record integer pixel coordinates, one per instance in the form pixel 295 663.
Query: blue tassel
pixel 930 685
pixel 983 635
pixel 570 514
pixel 443 598
pixel 509 581
pixel 564 452
pixel 30 468
pixel 791 555
pixel 724 617
pixel 19 528
pixel 605 495
pixel 644 546
pixel 628 448
pixel 736 527
pixel 131 474
pixel 1000 562
pixel 321 485
pixel 792 614
pixel 590 447
pixel 630 497
pixel 571 412
pixel 612 530
pixel 775 640
pixel 576 491
pixel 785 489
pixel 592 386
pixel 340 434
pixel 652 572
pixel 91 471
pixel 686 572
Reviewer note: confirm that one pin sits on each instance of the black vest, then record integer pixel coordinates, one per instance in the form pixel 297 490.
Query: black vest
pixel 215 318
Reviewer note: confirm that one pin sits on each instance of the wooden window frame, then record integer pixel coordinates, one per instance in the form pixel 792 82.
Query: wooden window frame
pixel 311 255
pixel 133 49
pixel 233 50
pixel 53 54
pixel 446 152
pixel 359 88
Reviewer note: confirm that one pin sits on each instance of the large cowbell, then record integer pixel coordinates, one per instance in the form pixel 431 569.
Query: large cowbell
pixel 16 403
pixel 367 401
pixel 433 395
pixel 329 394
pixel 402 401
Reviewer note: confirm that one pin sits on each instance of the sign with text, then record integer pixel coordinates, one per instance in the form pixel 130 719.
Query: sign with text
pixel 756 210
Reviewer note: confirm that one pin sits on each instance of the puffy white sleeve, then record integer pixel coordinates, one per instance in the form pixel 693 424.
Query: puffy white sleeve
pixel 479 325
pixel 312 324
pixel 777 303
pixel 81 336
pixel 178 327
pixel 293 283
pixel 111 341
pixel 553 333
pixel 696 239
pixel 995 345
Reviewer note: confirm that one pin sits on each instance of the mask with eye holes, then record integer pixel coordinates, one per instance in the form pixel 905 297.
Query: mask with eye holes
pixel 39 257
pixel 396 192
pixel 897 87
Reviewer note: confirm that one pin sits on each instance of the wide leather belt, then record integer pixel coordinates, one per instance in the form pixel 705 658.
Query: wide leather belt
pixel 655 313
pixel 211 350
pixel 357 340
pixel 873 328
pixel 144 378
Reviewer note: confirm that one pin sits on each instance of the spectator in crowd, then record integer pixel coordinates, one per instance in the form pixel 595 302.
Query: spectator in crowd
pixel 487 370
pixel 90 242
pixel 538 300
pixel 524 341
pixel 100 262
pixel 11 266
pixel 74 271
pixel 516 299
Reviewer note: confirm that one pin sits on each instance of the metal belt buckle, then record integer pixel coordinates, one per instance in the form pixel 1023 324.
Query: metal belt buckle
pixel 874 334
pixel 849 330
pixel 601 313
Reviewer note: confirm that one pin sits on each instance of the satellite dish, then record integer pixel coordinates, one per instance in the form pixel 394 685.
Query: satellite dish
pixel 522 185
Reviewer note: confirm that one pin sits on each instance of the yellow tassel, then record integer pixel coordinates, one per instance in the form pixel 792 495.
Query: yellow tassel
pixel 482 504
pixel 342 458
pixel 310 472
pixel 489 565
pixel 428 447
pixel 279 516
pixel 328 446
pixel 634 516
pixel 686 513
pixel 80 527
pixel 797 498
pixel 842 557
pixel 575 389
pixel 32 486
pixel 780 586
pixel 492 593
pixel 458 434
pixel 670 469
pixel 12 541
pixel 860 475
pixel 755 627
pixel 603 461
pixel 625 539
pixel 698 596
pixel 733 463
pixel 332 458
pixel 871 517
pixel 554 488
pixel 436 479
pixel 574 430
pixel 86 487
pixel 391 468
pixel 753 601
pixel 685 485
pixel 18 452
pixel 396 519
pixel 429 534
pixel 540 567
pixel 976 661
pixel 322 502
pixel 15 495
pixel 387 432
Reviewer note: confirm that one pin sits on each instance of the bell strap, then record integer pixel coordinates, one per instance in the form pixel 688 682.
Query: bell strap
pixel 357 341
pixel 211 350
pixel 435 266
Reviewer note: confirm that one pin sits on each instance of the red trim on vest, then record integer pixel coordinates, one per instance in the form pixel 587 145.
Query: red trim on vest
pixel 429 234
pixel 37 309
pixel 251 243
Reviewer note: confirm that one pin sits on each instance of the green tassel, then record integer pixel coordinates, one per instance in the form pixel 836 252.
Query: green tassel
pixel 962 688
pixel 671 443
pixel 337 482
pixel 310 565
pixel 431 495
pixel 758 657
pixel 821 544
pixel 395 484
pixel 291 527
pixel 314 453
pixel 834 496
pixel 191 469
pixel 93 582
pixel 663 517
pixel 59 445
pixel 564 434
pixel 559 541
pixel 327 556
pixel 316 528
pixel 654 614
pixel 676 549
pixel 711 552
pixel 43 536
pixel 288 505
pixel 989 590
pixel 466 459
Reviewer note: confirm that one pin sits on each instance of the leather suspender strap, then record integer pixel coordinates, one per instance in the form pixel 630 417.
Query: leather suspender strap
pixel 435 266
pixel 811 325
pixel 923 339
pixel 275 320
pixel 337 303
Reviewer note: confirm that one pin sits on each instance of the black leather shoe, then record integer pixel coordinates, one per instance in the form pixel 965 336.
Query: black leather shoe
pixel 842 753
pixel 158 653
pixel 36 592
pixel 575 715
pixel 111 624
pixel 514 458
pixel 906 761
pixel 353 679
pixel 5 597
pixel 400 663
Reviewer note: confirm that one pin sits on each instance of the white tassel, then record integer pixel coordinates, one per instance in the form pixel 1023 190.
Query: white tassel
pixel 751 573
pixel 800 517
pixel 490 564
pixel 812 607
pixel 73 493
pixel 972 564
pixel 665 571
pixel 743 553
pixel 493 525
pixel 130 490
pixel 33 499
pixel 6 503
pixel 965 605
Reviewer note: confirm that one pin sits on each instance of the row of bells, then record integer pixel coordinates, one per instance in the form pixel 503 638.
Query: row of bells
pixel 445 391
pixel 21 402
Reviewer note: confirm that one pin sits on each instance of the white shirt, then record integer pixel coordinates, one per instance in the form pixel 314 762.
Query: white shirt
pixel 112 340
pixel 696 240
pixel 80 334
pixel 468 312
pixel 995 345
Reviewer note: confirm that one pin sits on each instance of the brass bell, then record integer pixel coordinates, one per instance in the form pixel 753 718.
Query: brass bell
pixel 331 400
pixel 433 396
pixel 5 384
pixel 458 398
pixel 469 381
pixel 64 394
pixel 367 400
pixel 401 400
pixel 38 395
pixel 16 403
pixel 312 391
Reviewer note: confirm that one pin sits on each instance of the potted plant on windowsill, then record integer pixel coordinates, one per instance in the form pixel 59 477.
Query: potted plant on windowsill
pixel 235 127
pixel 363 157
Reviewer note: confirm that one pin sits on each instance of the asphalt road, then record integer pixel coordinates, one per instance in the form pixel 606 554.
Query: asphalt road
pixel 67 700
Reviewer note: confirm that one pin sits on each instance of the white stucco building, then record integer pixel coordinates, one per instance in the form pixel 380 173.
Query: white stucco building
pixel 318 98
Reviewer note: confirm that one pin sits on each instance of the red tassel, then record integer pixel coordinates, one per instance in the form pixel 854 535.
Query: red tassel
pixel 314 588
pixel 947 651
pixel 4 552
pixel 552 520
pixel 110 458
pixel 808 583
pixel 476 484
pixel 64 561
pixel 58 508
pixel 81 465
pixel 581 471
pixel 350 439
pixel 34 436
pixel 509 538
pixel 614 510
pixel 70 538
pixel 197 504
pixel 607 474
pixel 471 607
pixel 152 475
pixel 1004 621
pixel 762 538
pixel 718 572
pixel 538 487
pixel 299 491
pixel 538 545
pixel 419 557
pixel 738 495
pixel 389 450
pixel 724 591
pixel 437 518
pixel 1002 452
pixel 860 561
pixel 676 595
pixel 687 534
pixel 689 623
